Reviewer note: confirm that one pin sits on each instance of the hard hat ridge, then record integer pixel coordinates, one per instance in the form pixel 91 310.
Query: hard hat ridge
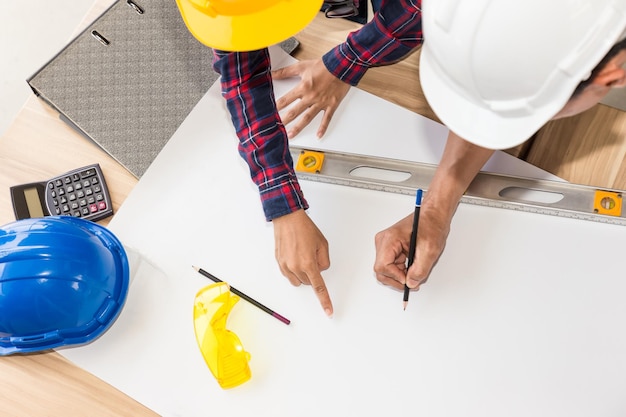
pixel 231 7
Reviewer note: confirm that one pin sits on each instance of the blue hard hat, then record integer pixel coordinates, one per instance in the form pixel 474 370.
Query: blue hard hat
pixel 63 282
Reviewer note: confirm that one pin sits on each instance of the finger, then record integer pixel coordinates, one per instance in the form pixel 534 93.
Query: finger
pixel 389 264
pixel 286 72
pixel 323 259
pixel 319 287
pixel 287 99
pixel 413 281
pixel 389 281
pixel 419 272
pixel 297 110
pixel 306 117
pixel 392 274
pixel 418 276
pixel 328 115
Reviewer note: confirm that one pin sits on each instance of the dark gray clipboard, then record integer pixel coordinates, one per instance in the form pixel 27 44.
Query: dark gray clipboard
pixel 129 79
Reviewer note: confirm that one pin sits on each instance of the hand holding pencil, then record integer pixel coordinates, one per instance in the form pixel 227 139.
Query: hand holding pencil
pixel 392 245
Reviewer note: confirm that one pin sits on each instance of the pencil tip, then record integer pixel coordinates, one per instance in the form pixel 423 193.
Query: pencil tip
pixel 195 267
pixel 404 305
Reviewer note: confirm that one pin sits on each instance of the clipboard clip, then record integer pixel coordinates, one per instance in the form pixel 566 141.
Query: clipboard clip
pixel 104 41
pixel 135 6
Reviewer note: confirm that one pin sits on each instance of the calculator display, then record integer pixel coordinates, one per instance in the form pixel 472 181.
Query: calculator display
pixel 32 202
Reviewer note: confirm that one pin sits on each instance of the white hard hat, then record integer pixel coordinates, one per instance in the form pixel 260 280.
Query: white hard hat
pixel 495 71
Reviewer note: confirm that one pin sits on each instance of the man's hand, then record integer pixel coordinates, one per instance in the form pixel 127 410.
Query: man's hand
pixel 459 164
pixel 318 91
pixel 302 253
pixel 392 248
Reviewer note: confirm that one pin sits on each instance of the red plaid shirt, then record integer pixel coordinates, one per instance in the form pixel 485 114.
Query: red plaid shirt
pixel 247 87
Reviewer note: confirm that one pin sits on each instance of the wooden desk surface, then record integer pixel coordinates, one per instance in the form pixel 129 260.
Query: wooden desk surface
pixel 587 149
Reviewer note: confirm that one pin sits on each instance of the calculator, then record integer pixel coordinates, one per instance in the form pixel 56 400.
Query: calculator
pixel 80 193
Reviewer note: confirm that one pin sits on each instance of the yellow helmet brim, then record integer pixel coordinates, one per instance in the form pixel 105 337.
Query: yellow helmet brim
pixel 248 32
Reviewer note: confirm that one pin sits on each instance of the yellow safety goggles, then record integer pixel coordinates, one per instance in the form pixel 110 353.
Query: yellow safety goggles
pixel 221 349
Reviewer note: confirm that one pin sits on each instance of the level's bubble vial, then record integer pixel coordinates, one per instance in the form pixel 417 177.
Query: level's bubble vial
pixel 608 203
pixel 310 161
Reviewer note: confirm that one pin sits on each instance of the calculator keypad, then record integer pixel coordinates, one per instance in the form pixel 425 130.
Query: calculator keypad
pixel 79 193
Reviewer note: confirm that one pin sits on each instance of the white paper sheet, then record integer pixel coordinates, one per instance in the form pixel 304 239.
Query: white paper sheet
pixel 523 315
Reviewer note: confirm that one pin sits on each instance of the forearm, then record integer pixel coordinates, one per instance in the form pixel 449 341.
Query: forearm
pixel 247 88
pixel 460 162
pixel 394 32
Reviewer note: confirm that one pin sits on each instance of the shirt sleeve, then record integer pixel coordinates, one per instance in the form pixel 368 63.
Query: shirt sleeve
pixel 247 88
pixel 394 32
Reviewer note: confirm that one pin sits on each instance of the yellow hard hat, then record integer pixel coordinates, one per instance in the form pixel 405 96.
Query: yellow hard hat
pixel 246 25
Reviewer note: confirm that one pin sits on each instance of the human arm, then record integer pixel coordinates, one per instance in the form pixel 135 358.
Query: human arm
pixel 459 164
pixel 302 253
pixel 247 88
pixel 392 34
